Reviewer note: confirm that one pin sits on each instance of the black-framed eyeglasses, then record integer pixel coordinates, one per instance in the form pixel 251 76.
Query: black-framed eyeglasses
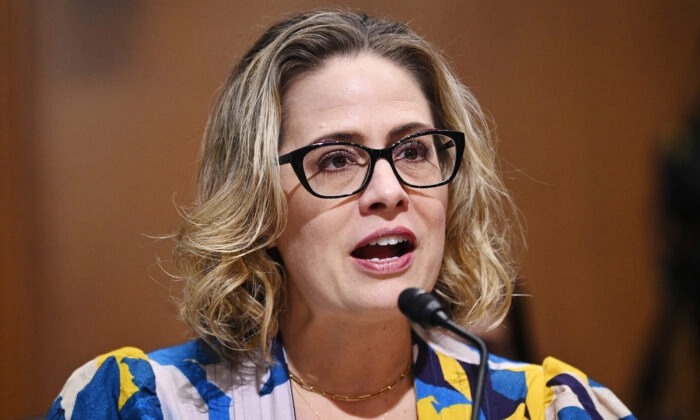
pixel 338 169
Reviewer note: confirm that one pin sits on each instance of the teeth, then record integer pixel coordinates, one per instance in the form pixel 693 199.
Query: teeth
pixel 383 259
pixel 389 240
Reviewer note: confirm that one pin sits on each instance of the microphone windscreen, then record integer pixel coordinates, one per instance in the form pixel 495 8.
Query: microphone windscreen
pixel 419 306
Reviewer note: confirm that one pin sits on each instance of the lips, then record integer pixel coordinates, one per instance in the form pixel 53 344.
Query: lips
pixel 385 245
pixel 384 248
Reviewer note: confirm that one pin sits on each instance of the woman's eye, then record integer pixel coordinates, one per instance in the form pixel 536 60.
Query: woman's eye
pixel 338 161
pixel 411 154
pixel 414 150
pixel 334 161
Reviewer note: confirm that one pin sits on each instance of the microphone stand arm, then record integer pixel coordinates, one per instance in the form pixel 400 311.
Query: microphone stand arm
pixel 483 360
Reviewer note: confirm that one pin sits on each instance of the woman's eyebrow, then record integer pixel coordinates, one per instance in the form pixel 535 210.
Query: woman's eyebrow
pixel 408 128
pixel 354 137
pixel 338 136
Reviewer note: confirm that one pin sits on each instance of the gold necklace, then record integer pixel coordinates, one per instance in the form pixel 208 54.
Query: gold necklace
pixel 350 398
pixel 316 413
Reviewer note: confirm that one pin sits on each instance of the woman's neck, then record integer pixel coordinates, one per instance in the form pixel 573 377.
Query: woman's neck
pixel 344 357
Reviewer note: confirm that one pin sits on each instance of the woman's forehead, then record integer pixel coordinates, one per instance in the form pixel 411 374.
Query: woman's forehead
pixel 350 94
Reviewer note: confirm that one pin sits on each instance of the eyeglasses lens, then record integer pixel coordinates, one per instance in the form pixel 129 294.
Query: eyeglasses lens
pixel 337 169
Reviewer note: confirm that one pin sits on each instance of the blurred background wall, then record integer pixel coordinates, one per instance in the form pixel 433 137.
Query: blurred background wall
pixel 103 104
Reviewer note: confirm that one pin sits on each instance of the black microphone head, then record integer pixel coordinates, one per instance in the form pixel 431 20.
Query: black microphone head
pixel 421 307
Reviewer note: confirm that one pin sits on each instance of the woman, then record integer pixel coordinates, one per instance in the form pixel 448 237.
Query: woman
pixel 342 164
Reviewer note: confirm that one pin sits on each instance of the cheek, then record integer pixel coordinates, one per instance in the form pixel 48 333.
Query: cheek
pixel 307 228
pixel 435 219
pixel 297 208
pixel 289 181
pixel 437 214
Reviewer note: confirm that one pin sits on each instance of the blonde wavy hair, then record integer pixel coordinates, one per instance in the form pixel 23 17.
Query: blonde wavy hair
pixel 234 282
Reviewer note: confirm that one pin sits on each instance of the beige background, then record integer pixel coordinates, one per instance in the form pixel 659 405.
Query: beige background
pixel 103 104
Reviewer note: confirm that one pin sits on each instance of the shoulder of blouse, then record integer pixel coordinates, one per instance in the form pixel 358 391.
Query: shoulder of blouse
pixel 128 383
pixel 446 370
pixel 111 386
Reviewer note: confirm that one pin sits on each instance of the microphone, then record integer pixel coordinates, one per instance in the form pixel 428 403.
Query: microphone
pixel 424 309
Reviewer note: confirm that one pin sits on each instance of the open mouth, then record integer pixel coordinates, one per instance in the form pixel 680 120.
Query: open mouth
pixel 387 248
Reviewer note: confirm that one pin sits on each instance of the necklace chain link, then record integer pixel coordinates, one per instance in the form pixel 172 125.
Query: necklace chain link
pixel 350 398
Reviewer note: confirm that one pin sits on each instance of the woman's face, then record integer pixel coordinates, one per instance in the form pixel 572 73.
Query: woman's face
pixel 341 255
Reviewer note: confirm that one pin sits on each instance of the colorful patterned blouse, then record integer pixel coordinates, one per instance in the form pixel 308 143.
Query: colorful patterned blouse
pixel 187 382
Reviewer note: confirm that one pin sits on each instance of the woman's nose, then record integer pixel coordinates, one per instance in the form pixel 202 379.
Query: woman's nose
pixel 384 191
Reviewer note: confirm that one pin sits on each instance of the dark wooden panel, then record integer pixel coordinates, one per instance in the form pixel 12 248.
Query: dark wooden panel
pixel 18 260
